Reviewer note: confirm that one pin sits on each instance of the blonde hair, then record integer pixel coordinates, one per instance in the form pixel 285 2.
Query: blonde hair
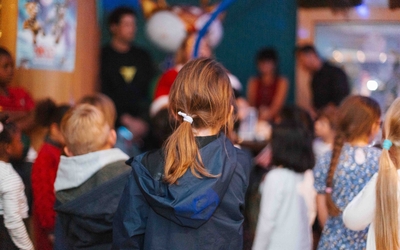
pixel 202 90
pixel 104 104
pixel 356 116
pixel 386 213
pixel 85 129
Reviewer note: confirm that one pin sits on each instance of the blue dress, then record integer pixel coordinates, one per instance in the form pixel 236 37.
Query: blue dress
pixel 355 168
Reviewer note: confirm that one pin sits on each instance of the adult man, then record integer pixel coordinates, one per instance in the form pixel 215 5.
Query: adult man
pixel 329 85
pixel 126 72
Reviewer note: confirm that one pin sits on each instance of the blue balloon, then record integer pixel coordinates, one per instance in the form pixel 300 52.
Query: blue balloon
pixel 221 7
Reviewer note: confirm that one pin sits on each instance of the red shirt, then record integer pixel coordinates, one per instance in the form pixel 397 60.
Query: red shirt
pixel 16 100
pixel 44 172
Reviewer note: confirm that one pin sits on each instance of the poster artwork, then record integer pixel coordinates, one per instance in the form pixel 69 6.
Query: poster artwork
pixel 46 36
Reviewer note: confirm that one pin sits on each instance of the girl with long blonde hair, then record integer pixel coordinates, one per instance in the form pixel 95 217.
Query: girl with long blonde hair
pixel 341 174
pixel 377 204
pixel 190 194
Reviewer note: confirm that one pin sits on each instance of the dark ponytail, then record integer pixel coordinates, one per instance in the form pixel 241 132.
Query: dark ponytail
pixel 47 112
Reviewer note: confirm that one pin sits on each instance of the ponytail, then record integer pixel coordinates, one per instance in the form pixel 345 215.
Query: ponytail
pixel 44 112
pixel 182 152
pixel 203 92
pixel 333 210
pixel 386 214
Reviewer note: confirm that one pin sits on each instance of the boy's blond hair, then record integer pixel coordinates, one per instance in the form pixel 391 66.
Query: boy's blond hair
pixel 104 104
pixel 85 129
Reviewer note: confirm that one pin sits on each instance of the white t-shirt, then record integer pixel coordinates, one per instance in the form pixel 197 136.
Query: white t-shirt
pixel 287 211
pixel 13 205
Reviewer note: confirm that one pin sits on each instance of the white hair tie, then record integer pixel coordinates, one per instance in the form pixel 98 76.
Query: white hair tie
pixel 186 117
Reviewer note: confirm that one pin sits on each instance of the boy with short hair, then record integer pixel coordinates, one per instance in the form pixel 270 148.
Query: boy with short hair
pixel 90 180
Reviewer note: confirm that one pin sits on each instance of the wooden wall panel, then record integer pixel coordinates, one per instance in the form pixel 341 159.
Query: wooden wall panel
pixel 61 86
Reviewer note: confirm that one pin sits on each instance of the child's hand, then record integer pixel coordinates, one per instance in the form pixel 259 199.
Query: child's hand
pixel 263 159
pixel 51 238
pixel 137 126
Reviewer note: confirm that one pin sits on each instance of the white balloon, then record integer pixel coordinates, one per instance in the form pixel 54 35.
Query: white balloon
pixel 215 30
pixel 166 30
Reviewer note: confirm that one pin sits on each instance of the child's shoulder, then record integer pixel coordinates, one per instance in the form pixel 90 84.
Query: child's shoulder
pixel 6 171
pixel 374 150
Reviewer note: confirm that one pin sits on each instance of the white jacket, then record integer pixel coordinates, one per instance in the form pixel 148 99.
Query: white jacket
pixel 287 211
pixel 360 212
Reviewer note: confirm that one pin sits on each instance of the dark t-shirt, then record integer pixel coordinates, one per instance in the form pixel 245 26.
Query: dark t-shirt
pixel 125 78
pixel 329 85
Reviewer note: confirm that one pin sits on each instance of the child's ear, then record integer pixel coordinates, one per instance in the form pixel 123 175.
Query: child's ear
pixel 68 152
pixel 112 137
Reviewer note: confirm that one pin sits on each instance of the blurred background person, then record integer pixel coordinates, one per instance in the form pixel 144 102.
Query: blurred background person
pixel 267 91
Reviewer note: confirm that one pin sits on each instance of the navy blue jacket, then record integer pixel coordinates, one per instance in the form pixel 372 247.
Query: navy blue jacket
pixel 196 213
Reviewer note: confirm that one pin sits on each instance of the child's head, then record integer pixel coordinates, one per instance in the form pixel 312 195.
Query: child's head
pixel 292 147
pixel 358 117
pixel 325 123
pixel 11 147
pixel 293 113
pixel 86 130
pixel 386 214
pixel 6 67
pixel 49 115
pixel 358 121
pixel 201 90
pixel 105 104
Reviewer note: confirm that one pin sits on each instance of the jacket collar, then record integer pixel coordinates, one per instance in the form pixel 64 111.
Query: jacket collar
pixel 74 171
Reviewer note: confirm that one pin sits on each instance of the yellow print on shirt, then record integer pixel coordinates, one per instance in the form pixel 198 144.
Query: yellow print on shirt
pixel 128 73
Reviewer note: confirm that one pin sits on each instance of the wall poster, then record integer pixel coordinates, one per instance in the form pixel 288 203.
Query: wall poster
pixel 46 36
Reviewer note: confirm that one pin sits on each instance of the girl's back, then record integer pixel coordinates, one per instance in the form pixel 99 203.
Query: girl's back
pixel 342 173
pixel 196 213
pixel 288 202
pixel 355 168
pixel 190 194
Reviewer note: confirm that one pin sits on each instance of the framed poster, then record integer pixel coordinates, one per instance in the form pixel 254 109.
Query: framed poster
pixel 46 35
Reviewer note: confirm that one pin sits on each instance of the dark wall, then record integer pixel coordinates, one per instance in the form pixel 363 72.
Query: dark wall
pixel 248 26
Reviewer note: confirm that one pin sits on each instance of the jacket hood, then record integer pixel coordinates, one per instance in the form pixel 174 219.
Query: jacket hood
pixel 87 220
pixel 192 201
pixel 75 170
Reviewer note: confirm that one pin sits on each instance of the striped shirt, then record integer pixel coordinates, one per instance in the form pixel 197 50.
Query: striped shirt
pixel 13 205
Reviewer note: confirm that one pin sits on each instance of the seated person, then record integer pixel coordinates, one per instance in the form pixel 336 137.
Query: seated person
pixel 90 180
pixel 267 91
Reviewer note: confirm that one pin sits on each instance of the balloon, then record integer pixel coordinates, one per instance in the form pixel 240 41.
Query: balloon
pixel 166 30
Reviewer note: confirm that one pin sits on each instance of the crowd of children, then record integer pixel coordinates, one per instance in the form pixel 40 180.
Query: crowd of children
pixel 319 184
